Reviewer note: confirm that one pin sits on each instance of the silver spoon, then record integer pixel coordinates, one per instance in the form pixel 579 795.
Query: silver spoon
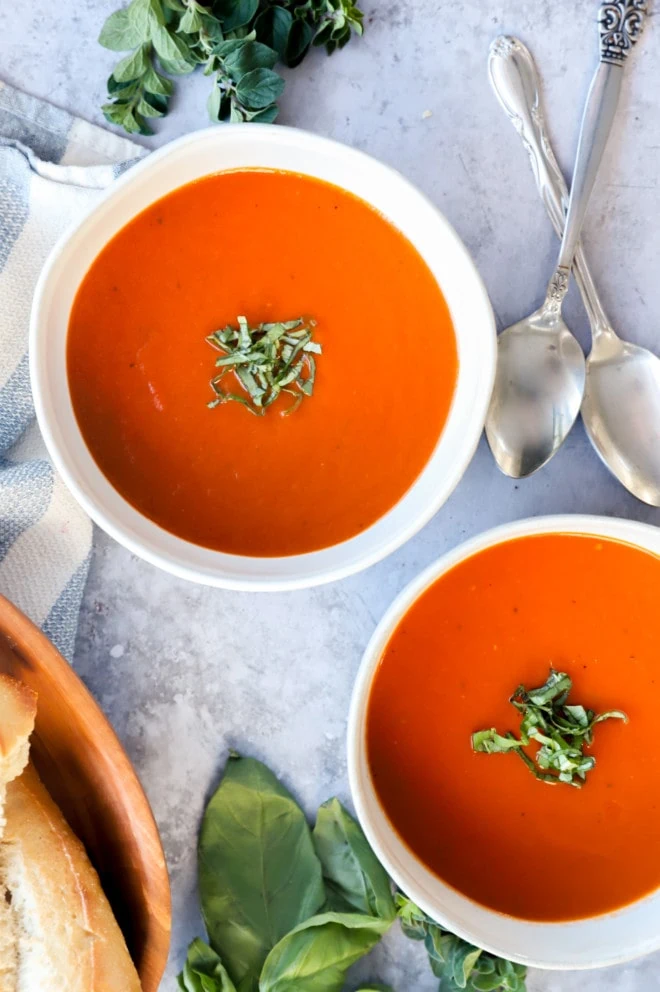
pixel 621 405
pixel 541 372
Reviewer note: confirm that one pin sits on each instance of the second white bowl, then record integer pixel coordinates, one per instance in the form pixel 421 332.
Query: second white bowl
pixel 589 943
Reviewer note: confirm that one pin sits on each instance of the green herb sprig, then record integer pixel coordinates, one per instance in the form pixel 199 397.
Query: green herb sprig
pixel 563 731
pixel 458 964
pixel 237 42
pixel 267 360
pixel 289 909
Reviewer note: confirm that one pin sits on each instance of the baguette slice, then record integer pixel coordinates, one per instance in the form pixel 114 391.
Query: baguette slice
pixel 18 708
pixel 67 938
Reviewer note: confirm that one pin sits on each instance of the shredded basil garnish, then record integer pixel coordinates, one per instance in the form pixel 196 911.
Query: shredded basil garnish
pixel 266 361
pixel 563 731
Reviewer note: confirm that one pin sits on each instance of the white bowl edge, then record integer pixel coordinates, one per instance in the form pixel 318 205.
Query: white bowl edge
pixel 601 941
pixel 261 146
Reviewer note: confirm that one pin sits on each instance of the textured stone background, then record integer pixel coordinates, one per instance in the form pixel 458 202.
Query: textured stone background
pixel 185 672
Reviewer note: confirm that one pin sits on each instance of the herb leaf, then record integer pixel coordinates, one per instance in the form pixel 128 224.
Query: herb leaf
pixel 458 964
pixel 315 956
pixel 118 33
pixel 266 360
pixel 182 34
pixel 258 874
pixel 355 879
pixel 259 88
pixel 204 971
pixel 562 730
pixel 273 26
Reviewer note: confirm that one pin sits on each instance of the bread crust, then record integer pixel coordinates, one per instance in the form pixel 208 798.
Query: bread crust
pixel 18 709
pixel 67 932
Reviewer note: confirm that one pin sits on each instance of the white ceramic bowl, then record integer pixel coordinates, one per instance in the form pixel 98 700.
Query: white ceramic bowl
pixel 261 146
pixel 592 943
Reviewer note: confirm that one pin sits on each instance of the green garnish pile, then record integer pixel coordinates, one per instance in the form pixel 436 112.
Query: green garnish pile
pixel 290 909
pixel 563 731
pixel 267 360
pixel 237 42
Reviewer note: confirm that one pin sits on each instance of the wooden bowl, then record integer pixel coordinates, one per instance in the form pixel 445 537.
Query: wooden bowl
pixel 88 774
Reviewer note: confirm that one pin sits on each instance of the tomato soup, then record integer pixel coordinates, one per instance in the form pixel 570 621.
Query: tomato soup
pixel 482 822
pixel 271 246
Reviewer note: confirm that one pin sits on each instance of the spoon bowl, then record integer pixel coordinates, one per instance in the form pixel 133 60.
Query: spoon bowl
pixel 621 413
pixel 539 384
pixel 621 406
pixel 524 410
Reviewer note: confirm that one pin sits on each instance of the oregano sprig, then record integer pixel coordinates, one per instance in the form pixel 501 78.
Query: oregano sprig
pixel 458 964
pixel 238 43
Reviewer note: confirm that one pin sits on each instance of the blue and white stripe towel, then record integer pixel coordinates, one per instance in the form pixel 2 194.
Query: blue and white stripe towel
pixel 52 167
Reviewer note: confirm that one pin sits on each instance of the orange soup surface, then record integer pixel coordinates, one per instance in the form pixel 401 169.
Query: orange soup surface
pixel 270 246
pixel 482 822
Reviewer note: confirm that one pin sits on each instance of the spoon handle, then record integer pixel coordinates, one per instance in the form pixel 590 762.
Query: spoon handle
pixel 620 26
pixel 515 81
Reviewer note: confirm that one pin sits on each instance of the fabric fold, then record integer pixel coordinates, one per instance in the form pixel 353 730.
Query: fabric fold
pixel 53 168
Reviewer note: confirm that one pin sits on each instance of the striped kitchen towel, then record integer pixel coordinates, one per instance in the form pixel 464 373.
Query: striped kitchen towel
pixel 52 168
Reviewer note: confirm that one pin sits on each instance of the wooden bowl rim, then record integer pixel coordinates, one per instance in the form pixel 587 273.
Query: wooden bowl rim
pixel 21 634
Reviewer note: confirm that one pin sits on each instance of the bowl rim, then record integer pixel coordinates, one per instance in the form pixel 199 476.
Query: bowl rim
pixel 392 850
pixel 173 554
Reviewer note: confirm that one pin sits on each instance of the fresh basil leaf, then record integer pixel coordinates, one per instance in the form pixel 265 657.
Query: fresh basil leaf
pixel 375 988
pixel 490 742
pixel 259 88
pixel 132 66
pixel 610 715
pixel 258 874
pixel 204 971
pixel 248 56
pixel 349 864
pixel 298 43
pixel 273 26
pixel 119 34
pixel 315 956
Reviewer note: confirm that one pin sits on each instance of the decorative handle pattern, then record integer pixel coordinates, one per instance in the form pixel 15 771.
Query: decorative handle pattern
pixel 620 24
pixel 515 80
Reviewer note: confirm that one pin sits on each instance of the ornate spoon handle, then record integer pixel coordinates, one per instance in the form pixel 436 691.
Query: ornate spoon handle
pixel 620 26
pixel 514 78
